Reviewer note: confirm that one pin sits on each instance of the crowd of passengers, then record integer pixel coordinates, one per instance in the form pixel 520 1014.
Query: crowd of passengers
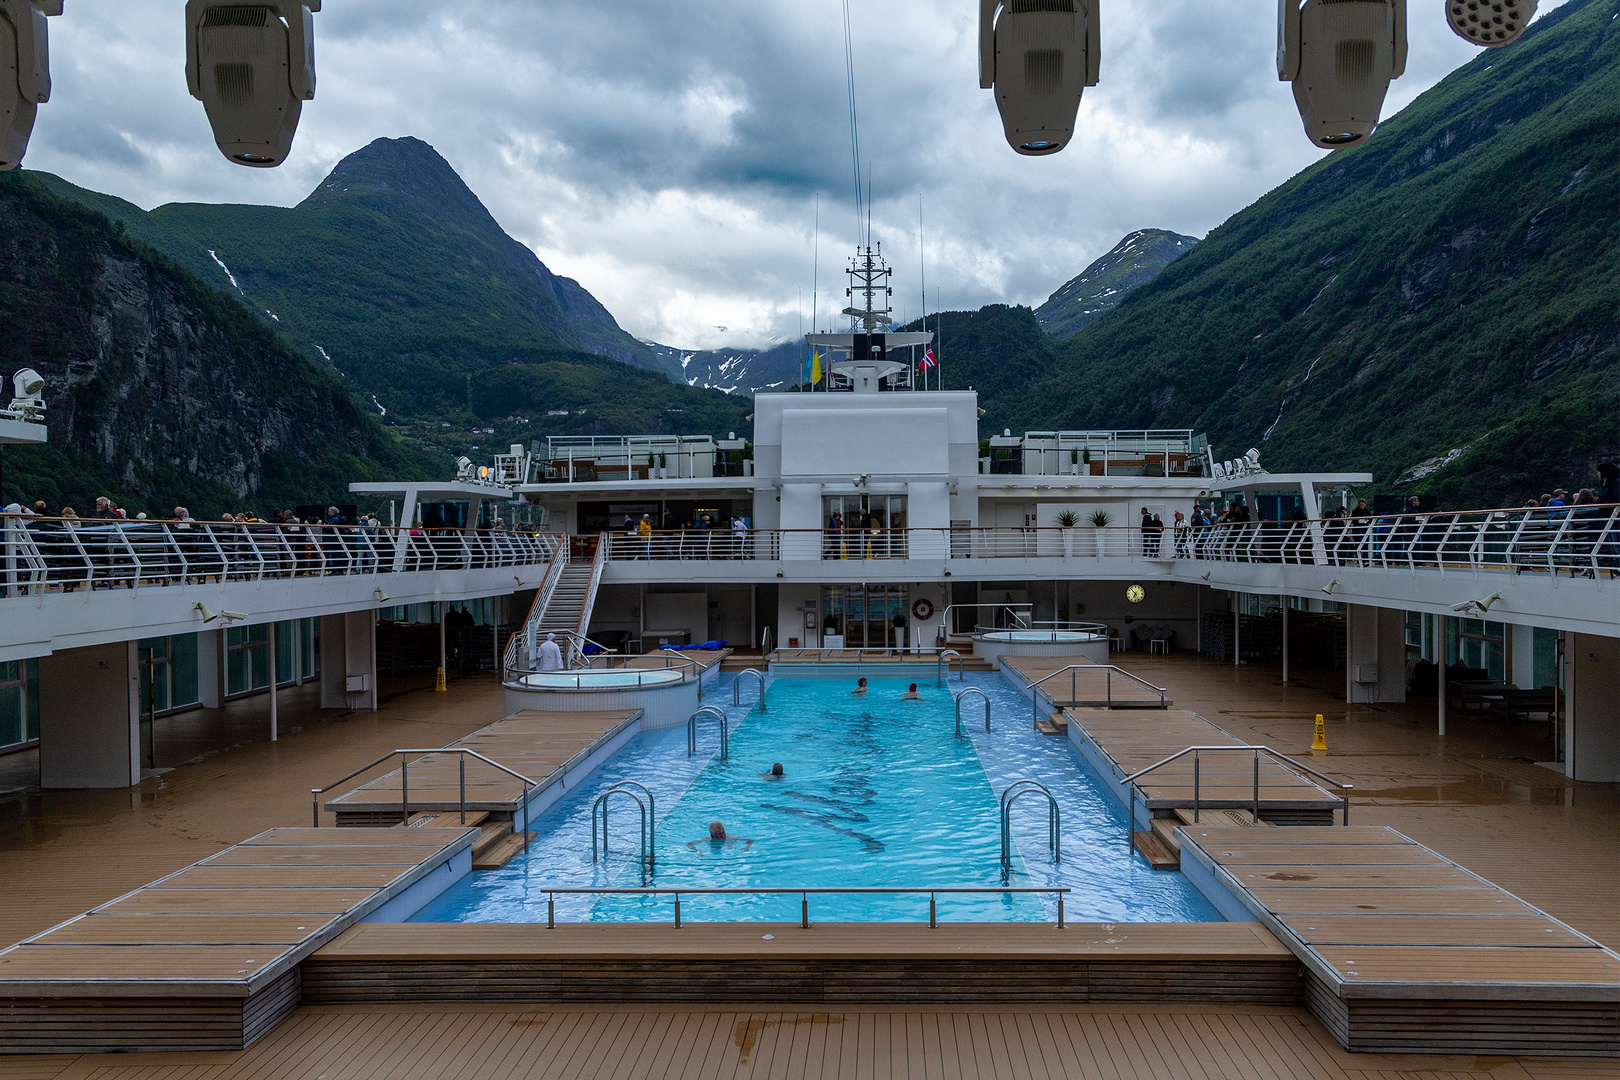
pixel 81 550
pixel 1579 532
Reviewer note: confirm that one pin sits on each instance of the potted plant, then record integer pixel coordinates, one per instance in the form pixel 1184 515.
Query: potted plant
pixel 1074 462
pixel 1099 522
pixel 1067 520
pixel 652 463
pixel 1085 456
pixel 899 624
pixel 663 466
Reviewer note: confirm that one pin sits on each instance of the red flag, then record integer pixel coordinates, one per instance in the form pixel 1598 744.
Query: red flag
pixel 928 360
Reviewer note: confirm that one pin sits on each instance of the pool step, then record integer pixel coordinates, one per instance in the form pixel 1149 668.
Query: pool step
pixel 500 852
pixel 1157 853
pixel 1053 724
pixel 1165 830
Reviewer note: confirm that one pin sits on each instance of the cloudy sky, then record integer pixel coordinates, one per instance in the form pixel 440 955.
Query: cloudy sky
pixel 669 155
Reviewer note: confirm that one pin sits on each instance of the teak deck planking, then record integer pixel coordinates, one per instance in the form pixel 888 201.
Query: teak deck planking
pixel 1096 688
pixel 1408 951
pixel 207 957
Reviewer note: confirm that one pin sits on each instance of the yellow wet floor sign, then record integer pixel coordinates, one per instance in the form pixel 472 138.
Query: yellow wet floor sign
pixel 1319 744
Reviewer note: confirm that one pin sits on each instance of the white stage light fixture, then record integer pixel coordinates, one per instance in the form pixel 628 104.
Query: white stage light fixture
pixel 1492 23
pixel 1038 56
pixel 252 65
pixel 25 73
pixel 1340 55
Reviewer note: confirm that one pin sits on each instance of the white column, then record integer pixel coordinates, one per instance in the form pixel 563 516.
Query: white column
pixel 90 717
pixel 273 723
pixel 1285 639
pixel 444 647
pixel 1440 669
pixel 1237 631
pixel 1522 656
pixel 402 539
pixel 1593 710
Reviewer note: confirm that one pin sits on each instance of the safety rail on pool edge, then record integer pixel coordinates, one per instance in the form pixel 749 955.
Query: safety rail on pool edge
pixel 462 752
pixel 804 895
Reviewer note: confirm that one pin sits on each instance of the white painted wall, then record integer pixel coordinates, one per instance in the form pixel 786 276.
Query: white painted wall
pixel 1376 638
pixel 89 718
pixel 1593 732
pixel 349 650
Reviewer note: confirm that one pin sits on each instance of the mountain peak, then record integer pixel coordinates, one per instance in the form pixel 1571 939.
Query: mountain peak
pixel 406 168
pixel 1133 262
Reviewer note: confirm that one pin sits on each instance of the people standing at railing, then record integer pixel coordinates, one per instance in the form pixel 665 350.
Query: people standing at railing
pixel 739 537
pixel 1147 533
pixel 1608 495
pixel 1181 530
pixel 1156 535
pixel 644 533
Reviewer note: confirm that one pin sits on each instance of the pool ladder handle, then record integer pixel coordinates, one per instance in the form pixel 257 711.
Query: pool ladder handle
pixel 649 853
pixel 960 694
pixel 725 730
pixel 1054 823
pixel 405 783
pixel 736 686
pixel 1257 750
pixel 804 894
pixel 943 665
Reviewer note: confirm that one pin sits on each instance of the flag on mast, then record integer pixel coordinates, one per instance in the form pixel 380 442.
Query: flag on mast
pixel 928 360
pixel 815 367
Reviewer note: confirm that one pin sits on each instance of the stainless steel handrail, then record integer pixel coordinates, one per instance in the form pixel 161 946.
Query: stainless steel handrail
pixel 1108 686
pixel 1256 750
pixel 805 894
pixel 649 826
pixel 736 686
pixel 961 671
pixel 725 730
pixel 960 694
pixel 1054 825
pixel 404 783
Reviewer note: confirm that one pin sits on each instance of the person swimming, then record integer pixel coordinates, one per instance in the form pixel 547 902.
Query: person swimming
pixel 911 694
pixel 718 838
pixel 776 773
pixel 860 688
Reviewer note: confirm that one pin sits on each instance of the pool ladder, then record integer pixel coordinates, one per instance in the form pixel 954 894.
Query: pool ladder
pixel 717 713
pixel 960 694
pixel 649 819
pixel 736 686
pixel 1010 795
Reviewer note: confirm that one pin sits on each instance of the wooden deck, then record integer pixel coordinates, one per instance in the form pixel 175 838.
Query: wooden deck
pixel 542 746
pixel 207 957
pixel 1406 950
pixel 830 963
pixel 1096 688
pixel 1123 742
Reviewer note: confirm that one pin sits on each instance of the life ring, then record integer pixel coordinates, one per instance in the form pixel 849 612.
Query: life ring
pixel 922 610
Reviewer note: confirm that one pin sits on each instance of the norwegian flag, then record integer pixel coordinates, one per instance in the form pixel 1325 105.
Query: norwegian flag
pixel 928 360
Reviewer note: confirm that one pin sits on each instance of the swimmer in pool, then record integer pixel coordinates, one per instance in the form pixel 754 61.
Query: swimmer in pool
pixel 911 694
pixel 860 688
pixel 776 773
pixel 718 838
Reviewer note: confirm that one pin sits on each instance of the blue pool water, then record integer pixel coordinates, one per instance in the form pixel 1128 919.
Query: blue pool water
pixel 877 792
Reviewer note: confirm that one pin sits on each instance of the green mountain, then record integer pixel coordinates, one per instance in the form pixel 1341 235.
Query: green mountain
pixel 393 270
pixel 1440 306
pixel 160 389
pixel 1134 261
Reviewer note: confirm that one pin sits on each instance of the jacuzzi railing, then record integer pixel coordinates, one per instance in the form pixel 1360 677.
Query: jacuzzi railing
pixel 518 664
pixel 1053 630
pixel 804 895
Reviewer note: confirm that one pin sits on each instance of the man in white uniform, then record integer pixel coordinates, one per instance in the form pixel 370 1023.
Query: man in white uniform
pixel 550 654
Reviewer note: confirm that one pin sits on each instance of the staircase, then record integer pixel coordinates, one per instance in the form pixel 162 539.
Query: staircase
pixel 1162 849
pixel 496 842
pixel 564 601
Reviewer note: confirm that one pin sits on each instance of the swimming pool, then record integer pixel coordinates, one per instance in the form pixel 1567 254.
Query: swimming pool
pixel 877 792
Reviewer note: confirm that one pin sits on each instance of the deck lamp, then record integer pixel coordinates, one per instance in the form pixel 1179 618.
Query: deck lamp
pixel 25 73
pixel 381 596
pixel 1038 57
pixel 1340 56
pixel 1205 575
pixel 208 615
pixel 1491 23
pixel 1329 587
pixel 253 67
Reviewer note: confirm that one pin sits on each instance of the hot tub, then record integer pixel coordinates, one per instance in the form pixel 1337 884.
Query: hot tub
pixel 665 695
pixel 1088 643
pixel 586 679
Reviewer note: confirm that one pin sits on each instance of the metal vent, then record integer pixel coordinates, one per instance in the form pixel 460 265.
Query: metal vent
pixel 1043 69
pixel 1353 60
pixel 236 15
pixel 1019 7
pixel 234 83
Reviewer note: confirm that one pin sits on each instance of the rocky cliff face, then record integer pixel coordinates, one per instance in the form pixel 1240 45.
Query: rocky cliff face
pixel 1133 262
pixel 159 389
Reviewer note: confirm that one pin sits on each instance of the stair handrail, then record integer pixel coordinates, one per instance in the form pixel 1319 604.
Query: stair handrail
pixel 404 782
pixel 736 686
pixel 537 608
pixel 649 829
pixel 1254 748
pixel 1054 823
pixel 725 730
pixel 767 645
pixel 964 692
pixel 588 602
pixel 943 665
pixel 1110 669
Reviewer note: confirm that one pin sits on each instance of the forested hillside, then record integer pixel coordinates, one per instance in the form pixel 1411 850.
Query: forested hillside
pixel 1449 290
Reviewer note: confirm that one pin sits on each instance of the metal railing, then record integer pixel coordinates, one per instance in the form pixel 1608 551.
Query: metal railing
pixel 942 667
pixel 405 783
pixel 804 895
pixel 960 694
pixel 49 554
pixel 1054 823
pixel 1108 670
pixel 862 654
pixel 1017 616
pixel 1282 759
pixel 649 820
pixel 519 661
pixel 725 730
pixel 736 686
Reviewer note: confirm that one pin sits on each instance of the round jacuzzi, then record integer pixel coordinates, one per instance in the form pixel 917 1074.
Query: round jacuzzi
pixel 617 679
pixel 665 695
pixel 1086 643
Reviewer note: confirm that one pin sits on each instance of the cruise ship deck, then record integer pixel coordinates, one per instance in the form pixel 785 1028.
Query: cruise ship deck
pixel 1470 797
